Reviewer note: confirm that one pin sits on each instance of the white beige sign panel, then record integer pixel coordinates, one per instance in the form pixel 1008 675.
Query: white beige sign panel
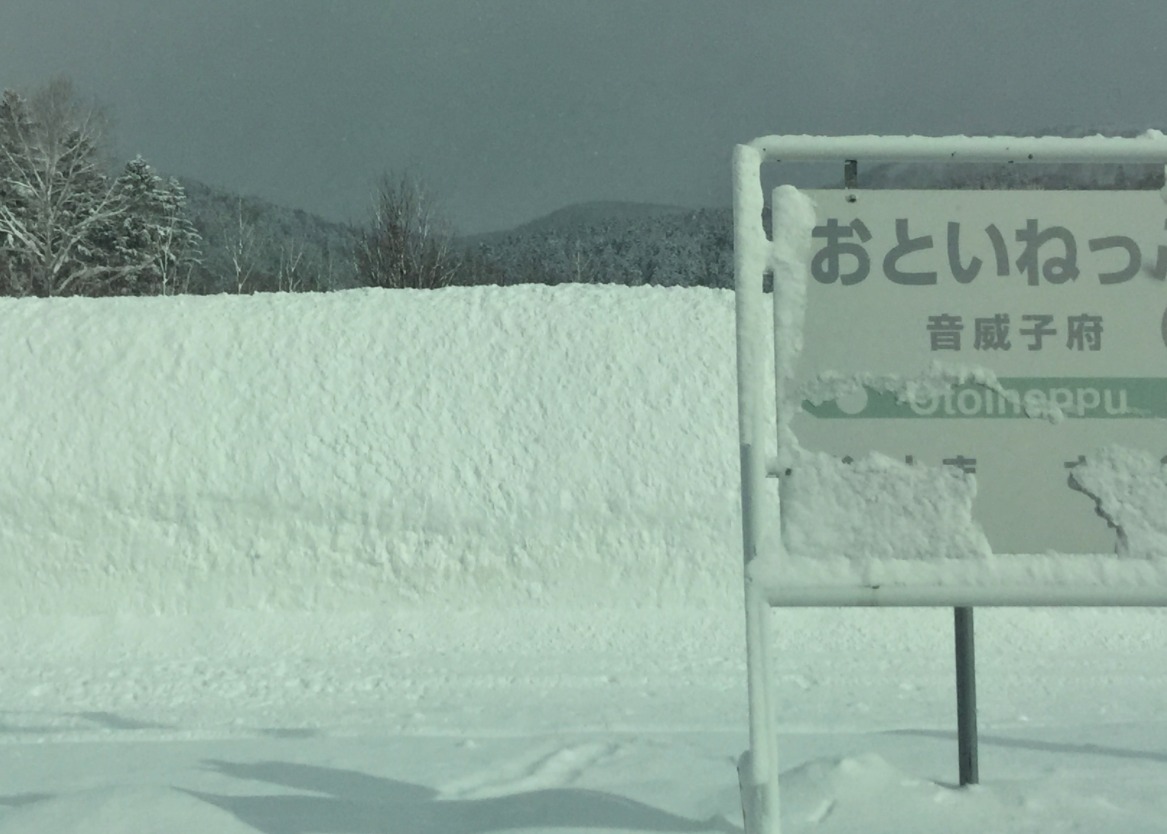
pixel 1062 295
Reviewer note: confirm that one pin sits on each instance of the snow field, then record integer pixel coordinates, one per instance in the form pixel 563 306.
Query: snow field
pixel 469 561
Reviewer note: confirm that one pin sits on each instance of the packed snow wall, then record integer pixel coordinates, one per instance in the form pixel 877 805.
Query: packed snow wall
pixel 464 446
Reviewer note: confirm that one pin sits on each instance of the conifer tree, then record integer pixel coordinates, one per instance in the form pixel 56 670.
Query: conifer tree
pixel 69 228
pixel 154 242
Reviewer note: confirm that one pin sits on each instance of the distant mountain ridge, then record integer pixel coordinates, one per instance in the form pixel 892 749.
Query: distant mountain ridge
pixel 578 215
pixel 605 241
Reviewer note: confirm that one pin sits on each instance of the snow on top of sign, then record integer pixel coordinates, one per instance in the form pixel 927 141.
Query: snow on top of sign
pixel 1130 490
pixel 879 508
pixel 870 509
pixel 1150 146
pixel 874 508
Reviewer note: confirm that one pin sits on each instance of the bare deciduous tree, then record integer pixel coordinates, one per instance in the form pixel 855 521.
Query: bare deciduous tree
pixel 243 247
pixel 57 205
pixel 407 245
pixel 290 271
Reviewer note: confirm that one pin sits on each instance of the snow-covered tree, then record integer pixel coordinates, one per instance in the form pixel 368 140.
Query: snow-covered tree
pixel 67 227
pixel 57 205
pixel 154 240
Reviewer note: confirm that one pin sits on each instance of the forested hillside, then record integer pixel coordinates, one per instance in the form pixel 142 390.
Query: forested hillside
pixel 253 245
pixel 665 247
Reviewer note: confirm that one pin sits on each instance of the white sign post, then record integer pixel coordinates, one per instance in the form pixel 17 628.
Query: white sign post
pixel 1053 304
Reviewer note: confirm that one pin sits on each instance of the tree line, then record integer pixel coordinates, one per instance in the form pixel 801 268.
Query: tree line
pixel 74 223
pixel 68 226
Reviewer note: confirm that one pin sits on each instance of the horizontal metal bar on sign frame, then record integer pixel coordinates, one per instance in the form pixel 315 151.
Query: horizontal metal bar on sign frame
pixel 967 596
pixel 1149 148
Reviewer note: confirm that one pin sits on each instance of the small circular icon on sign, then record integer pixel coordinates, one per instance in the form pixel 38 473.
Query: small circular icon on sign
pixel 854 402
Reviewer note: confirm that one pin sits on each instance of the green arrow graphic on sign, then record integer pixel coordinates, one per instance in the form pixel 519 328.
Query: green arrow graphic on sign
pixel 1013 398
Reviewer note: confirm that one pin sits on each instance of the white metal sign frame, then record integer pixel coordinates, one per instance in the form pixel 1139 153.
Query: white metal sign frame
pixel 758 769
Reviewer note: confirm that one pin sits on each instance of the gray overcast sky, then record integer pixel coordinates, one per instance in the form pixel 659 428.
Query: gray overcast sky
pixel 513 108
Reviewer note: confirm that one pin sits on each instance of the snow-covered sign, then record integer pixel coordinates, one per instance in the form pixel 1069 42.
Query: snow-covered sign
pixel 1010 334
pixel 1013 342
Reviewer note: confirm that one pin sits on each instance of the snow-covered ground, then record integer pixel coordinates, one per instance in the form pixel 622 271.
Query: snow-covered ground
pixel 469 561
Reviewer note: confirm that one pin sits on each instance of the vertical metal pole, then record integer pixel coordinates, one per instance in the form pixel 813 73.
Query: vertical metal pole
pixel 966 697
pixel 759 770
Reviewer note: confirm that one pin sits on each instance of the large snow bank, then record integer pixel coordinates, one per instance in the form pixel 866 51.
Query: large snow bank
pixel 465 445
pixel 566 445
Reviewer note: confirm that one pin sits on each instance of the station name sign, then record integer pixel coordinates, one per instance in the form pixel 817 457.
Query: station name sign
pixel 1059 297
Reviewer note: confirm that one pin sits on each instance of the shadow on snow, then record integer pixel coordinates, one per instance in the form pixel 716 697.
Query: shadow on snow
pixel 349 802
